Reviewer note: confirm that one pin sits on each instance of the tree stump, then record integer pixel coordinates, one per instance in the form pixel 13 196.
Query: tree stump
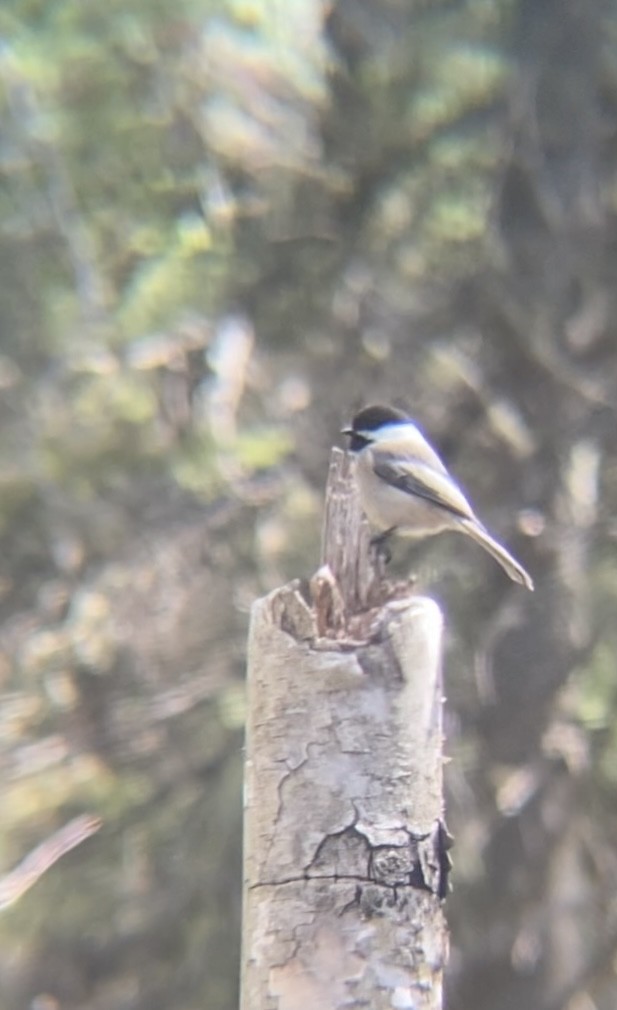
pixel 345 865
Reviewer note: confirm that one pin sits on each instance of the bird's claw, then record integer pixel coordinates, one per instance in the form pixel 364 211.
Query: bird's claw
pixel 379 544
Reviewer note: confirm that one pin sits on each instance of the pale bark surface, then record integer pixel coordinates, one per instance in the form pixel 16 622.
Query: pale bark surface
pixel 345 862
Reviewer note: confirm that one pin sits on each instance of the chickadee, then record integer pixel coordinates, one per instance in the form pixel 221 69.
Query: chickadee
pixel 405 488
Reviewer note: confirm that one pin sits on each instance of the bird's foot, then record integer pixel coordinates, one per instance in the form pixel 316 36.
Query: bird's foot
pixel 379 544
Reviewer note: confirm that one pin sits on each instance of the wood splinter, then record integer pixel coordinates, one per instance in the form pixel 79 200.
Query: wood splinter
pixel 350 587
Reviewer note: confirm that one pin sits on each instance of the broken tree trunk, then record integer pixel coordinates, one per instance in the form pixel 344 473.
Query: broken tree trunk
pixel 345 863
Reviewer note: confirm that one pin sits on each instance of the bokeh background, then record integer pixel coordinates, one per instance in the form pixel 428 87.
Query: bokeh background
pixel 224 225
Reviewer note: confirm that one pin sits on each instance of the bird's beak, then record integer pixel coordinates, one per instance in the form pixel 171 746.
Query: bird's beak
pixel 346 431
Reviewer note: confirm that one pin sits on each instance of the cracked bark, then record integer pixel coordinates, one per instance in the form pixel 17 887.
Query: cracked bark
pixel 345 863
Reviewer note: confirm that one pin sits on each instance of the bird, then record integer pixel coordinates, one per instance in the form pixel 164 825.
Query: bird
pixel 406 489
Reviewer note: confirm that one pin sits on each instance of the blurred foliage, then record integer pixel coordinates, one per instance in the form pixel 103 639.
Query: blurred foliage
pixel 223 225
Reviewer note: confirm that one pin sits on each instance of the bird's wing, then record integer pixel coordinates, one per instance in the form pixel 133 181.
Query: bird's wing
pixel 416 478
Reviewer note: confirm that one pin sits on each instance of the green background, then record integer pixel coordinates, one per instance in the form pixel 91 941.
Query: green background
pixel 223 227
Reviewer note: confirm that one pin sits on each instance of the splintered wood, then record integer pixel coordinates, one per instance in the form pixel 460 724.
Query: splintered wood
pixel 350 586
pixel 345 541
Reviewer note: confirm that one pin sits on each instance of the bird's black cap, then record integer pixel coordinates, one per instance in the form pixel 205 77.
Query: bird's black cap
pixel 370 419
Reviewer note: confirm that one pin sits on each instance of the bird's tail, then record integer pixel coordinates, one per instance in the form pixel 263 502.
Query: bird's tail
pixel 509 564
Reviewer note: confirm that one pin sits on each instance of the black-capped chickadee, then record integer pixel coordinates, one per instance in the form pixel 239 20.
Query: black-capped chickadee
pixel 405 488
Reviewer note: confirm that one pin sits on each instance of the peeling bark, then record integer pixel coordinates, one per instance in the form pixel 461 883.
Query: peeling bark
pixel 345 849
